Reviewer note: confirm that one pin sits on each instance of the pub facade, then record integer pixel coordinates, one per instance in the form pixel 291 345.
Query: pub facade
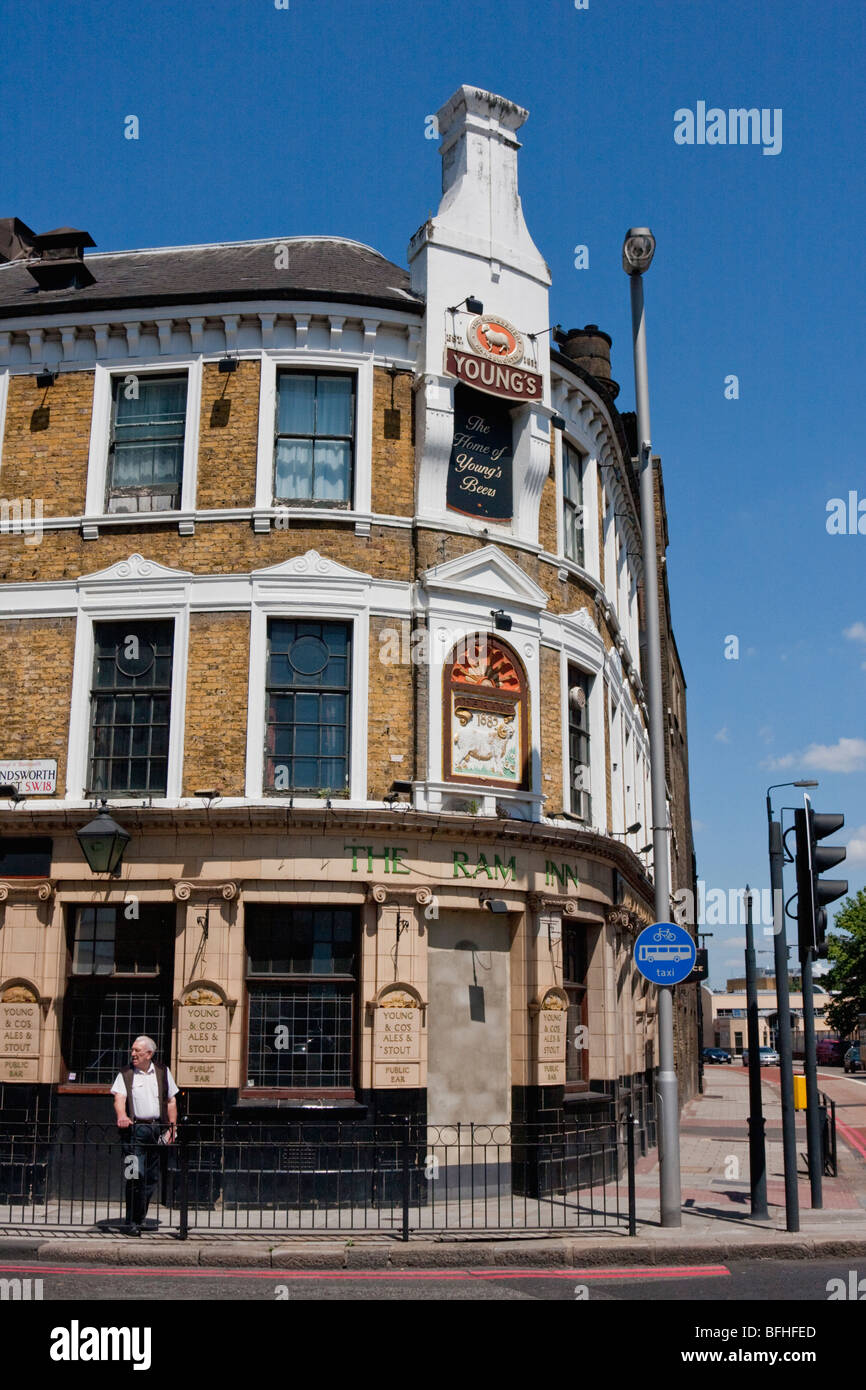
pixel 321 578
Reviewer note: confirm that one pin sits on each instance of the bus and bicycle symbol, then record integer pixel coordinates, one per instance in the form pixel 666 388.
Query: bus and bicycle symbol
pixel 663 947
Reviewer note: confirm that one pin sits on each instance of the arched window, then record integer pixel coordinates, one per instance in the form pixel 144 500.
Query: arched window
pixel 485 714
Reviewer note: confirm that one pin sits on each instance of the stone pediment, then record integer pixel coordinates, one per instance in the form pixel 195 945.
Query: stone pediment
pixel 134 570
pixel 314 565
pixel 488 572
pixel 582 620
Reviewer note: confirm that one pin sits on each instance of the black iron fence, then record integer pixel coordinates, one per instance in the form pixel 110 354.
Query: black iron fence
pixel 289 1178
pixel 829 1155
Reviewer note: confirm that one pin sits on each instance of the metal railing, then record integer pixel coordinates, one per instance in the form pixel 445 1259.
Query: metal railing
pixel 298 1178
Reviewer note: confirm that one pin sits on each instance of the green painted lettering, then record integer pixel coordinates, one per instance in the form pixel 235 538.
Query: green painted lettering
pixel 505 869
pixel 551 872
pixel 459 859
pixel 482 867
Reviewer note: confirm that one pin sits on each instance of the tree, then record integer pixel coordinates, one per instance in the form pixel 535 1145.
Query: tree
pixel 846 977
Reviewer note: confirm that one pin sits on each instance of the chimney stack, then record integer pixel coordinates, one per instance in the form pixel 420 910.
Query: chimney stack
pixel 59 259
pixel 16 239
pixel 589 348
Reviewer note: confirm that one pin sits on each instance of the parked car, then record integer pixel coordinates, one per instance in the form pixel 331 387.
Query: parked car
pixel 716 1054
pixel 769 1057
pixel 829 1051
pixel 852 1060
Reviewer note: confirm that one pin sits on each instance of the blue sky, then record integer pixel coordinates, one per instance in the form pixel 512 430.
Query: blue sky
pixel 259 122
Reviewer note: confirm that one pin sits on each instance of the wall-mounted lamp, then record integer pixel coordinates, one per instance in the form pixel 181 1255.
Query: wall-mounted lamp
pixel 10 790
pixel 228 364
pixel 46 377
pixel 210 795
pixel 103 842
pixel 395 791
pixel 630 830
pixel 497 905
pixel 472 304
pixel 501 620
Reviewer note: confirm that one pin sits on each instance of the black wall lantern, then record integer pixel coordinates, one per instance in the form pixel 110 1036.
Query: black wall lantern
pixel 103 842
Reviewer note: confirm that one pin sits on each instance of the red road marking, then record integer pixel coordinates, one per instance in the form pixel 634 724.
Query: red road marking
pixel 852 1137
pixel 628 1272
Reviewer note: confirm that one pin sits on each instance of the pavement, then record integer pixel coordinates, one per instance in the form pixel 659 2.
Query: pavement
pixel 716 1221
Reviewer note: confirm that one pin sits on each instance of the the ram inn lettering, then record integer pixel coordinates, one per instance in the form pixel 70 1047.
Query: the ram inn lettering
pixel 391 859
pixel 366 859
pixel 19 1042
pixel 480 467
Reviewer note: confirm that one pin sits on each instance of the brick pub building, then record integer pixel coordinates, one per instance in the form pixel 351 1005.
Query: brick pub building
pixel 325 575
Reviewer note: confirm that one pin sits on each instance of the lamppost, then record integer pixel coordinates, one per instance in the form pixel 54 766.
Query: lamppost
pixel 103 842
pixel 783 1008
pixel 637 253
pixel 757 1144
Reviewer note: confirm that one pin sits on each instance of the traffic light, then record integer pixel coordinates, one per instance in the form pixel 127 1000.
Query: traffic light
pixel 812 860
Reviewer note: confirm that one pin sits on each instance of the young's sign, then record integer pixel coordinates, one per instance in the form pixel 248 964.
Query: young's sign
pixel 495 378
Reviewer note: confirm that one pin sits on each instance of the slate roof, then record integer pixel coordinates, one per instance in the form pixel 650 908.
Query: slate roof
pixel 320 268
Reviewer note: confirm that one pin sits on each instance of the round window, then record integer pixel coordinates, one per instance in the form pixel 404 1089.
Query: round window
pixel 308 656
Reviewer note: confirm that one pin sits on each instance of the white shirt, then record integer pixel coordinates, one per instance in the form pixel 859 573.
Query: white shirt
pixel 145 1092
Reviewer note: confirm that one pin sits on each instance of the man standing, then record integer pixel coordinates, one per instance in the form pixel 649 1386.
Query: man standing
pixel 146 1110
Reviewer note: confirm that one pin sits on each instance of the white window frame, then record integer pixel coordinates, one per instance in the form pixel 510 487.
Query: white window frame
pixel 100 428
pixel 584 456
pixel 356 364
pixel 585 650
pixel 114 607
pixel 285 597
pixel 4 396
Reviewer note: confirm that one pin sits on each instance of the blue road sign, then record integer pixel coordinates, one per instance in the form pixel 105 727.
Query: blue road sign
pixel 664 953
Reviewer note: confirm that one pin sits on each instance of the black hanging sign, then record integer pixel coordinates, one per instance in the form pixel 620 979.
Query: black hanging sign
pixel 482 457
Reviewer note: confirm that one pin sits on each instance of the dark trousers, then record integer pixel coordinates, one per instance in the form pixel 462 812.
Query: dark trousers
pixel 141 1144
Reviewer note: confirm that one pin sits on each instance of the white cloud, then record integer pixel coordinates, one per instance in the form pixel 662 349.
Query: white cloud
pixel 857 846
pixel 736 941
pixel 722 736
pixel 856 632
pixel 848 755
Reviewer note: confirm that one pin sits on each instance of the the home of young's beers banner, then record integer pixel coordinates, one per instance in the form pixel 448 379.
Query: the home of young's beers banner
pixel 482 455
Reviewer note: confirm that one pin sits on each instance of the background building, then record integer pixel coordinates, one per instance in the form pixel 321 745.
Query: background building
pixel 326 575
pixel 725 1021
